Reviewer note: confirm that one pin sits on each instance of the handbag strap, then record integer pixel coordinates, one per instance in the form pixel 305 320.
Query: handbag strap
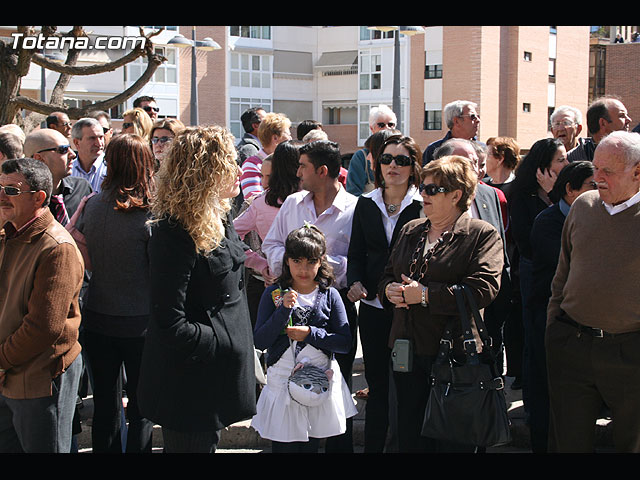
pixel 468 310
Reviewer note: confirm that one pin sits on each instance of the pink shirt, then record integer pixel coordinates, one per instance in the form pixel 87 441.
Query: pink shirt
pixel 257 217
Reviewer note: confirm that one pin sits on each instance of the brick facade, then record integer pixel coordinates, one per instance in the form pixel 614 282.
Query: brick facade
pixel 623 76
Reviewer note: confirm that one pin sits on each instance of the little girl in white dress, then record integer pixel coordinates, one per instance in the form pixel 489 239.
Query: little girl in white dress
pixel 302 322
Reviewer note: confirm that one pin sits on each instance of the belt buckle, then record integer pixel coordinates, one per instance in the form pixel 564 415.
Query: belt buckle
pixel 597 332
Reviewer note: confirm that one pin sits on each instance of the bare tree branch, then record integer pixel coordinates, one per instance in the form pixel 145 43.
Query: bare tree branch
pixel 74 113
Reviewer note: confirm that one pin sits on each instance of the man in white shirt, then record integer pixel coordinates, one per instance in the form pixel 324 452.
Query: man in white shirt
pixel 324 202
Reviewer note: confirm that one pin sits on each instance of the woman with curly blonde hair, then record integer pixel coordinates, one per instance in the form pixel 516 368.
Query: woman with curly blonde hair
pixel 197 373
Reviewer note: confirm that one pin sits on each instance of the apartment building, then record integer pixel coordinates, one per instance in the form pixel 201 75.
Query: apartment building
pixel 335 74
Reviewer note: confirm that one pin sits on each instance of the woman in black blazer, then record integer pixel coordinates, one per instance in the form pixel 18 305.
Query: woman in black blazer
pixel 197 373
pixel 377 219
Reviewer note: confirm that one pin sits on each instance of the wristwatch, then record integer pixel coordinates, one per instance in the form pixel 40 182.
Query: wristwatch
pixel 423 300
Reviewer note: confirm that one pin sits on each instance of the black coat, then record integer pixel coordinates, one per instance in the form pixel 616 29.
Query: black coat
pixel 546 235
pixel 197 371
pixel 368 248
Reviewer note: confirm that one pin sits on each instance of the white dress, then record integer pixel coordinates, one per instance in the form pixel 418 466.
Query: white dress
pixel 279 418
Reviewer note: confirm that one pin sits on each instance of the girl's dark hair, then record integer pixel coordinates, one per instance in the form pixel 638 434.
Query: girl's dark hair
pixel 130 166
pixel 538 158
pixel 414 152
pixel 284 179
pixel 306 242
pixel 574 175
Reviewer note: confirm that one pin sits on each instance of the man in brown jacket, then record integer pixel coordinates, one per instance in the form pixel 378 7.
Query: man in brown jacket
pixel 41 274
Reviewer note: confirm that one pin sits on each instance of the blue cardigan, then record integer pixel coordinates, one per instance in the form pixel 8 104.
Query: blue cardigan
pixel 328 322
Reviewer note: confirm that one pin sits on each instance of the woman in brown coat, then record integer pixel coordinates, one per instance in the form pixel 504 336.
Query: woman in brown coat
pixel 431 255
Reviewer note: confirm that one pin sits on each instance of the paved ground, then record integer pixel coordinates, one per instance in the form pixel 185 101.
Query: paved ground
pixel 241 438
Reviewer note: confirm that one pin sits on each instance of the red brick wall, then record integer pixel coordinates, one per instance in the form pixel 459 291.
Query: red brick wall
pixel 623 76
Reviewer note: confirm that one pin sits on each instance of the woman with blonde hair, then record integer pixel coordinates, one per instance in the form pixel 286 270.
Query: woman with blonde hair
pixel 137 121
pixel 197 374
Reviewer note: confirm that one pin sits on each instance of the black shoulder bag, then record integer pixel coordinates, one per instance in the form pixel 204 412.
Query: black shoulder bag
pixel 466 402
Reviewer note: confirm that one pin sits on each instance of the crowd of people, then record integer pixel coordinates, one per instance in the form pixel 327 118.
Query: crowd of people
pixel 209 280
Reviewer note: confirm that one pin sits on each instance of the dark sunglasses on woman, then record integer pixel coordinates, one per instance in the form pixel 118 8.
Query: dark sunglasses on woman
pixel 401 160
pixel 431 189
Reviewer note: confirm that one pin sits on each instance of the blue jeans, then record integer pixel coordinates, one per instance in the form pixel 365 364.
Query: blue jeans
pixel 41 425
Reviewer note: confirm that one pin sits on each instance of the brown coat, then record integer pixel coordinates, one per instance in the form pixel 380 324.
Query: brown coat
pixel 474 256
pixel 41 274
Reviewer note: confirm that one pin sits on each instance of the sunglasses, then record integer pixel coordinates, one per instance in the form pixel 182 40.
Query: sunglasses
pixel 155 140
pixel 383 125
pixel 126 125
pixel 472 116
pixel 148 109
pixel 14 191
pixel 401 160
pixel 61 149
pixel 431 189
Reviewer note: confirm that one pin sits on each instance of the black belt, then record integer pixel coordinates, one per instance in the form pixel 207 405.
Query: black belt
pixel 594 332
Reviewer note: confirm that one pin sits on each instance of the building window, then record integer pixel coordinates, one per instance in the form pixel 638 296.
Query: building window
pixel 167 72
pixel 553 30
pixel 366 34
pixel 370 71
pixel 432 120
pixel 173 28
pixel 263 32
pixel 248 70
pixel 237 106
pixel 433 71
pixel 527 56
pixel 552 70
pixel 526 107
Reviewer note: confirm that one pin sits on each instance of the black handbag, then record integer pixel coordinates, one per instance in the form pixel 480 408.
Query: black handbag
pixel 466 402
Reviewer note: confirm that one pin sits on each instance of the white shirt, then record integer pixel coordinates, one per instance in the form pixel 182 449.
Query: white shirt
pixel 389 222
pixel 613 209
pixel 334 222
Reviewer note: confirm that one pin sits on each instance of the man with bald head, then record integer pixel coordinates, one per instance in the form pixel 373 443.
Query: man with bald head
pixel 52 148
pixel 60 122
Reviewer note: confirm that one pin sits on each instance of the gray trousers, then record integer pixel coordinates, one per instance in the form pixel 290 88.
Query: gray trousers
pixel 41 425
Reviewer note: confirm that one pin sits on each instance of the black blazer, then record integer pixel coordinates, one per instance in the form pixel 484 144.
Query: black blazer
pixel 546 235
pixel 368 247
pixel 197 371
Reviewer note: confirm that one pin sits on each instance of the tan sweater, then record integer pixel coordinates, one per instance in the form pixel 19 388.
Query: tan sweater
pixel 41 274
pixel 598 274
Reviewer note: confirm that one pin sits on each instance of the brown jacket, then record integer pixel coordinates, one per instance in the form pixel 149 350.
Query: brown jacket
pixel 474 256
pixel 41 274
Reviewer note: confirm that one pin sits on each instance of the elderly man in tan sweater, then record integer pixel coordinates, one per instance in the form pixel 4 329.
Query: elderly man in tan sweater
pixel 593 326
pixel 41 274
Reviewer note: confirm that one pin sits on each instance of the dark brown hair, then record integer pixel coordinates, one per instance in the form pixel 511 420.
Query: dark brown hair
pixel 414 152
pixel 306 242
pixel 130 166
